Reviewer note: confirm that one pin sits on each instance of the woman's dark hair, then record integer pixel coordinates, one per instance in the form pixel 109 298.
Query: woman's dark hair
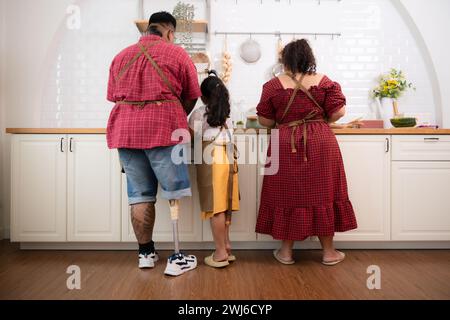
pixel 217 99
pixel 298 57
pixel 161 17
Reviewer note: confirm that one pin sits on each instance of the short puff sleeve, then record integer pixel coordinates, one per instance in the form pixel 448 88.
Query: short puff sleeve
pixel 265 107
pixel 334 98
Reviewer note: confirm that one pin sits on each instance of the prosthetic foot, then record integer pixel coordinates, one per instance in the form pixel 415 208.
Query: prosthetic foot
pixel 178 263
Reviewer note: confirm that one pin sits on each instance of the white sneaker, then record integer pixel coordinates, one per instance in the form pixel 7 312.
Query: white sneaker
pixel 147 260
pixel 178 264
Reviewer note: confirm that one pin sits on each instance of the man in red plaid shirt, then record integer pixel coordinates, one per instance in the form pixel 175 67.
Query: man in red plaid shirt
pixel 154 86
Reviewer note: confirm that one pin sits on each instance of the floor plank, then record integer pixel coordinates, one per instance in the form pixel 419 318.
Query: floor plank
pixel 405 274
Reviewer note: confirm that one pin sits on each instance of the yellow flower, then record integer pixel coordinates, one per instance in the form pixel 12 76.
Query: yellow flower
pixel 392 82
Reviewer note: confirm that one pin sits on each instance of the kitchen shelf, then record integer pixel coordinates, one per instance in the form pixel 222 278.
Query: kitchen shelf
pixel 197 26
pixel 279 34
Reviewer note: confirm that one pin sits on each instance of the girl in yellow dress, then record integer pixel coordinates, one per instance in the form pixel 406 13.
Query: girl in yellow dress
pixel 217 174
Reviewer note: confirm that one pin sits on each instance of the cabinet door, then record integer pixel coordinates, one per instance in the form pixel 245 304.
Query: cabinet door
pixel 420 201
pixel 367 167
pixel 263 144
pixel 189 224
pixel 421 148
pixel 38 193
pixel 243 221
pixel 93 190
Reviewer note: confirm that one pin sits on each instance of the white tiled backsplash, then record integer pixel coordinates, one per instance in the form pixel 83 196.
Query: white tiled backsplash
pixel 374 39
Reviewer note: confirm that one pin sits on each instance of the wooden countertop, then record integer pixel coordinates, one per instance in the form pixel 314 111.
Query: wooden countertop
pixel 393 131
pixel 56 130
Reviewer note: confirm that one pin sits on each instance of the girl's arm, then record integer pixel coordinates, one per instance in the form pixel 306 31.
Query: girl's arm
pixel 192 133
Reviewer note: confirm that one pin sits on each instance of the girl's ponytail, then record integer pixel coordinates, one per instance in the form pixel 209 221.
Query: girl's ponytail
pixel 218 104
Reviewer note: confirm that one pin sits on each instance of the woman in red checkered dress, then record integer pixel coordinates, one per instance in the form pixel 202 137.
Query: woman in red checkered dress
pixel 307 196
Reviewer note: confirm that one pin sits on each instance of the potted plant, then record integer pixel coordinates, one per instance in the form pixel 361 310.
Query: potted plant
pixel 240 124
pixel 391 86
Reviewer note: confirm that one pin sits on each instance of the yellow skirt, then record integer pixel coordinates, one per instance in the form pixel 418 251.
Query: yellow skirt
pixel 214 181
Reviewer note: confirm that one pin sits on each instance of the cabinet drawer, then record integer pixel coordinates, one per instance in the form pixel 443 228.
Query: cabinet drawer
pixel 423 148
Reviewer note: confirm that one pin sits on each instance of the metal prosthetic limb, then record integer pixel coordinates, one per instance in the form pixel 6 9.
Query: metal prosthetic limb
pixel 174 206
pixel 178 263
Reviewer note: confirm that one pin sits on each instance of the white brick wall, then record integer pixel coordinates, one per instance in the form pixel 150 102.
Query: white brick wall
pixel 374 40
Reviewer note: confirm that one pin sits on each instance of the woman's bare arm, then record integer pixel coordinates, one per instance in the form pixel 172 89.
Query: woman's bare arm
pixel 268 123
pixel 337 115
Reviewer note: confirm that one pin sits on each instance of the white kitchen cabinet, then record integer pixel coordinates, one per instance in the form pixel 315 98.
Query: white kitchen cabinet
pixel 38 188
pixel 243 221
pixel 260 178
pixel 420 188
pixel 421 148
pixel 420 200
pixel 64 188
pixel 68 188
pixel 189 223
pixel 94 188
pixel 367 167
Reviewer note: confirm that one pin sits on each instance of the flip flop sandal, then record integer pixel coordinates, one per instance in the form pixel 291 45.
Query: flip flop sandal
pixel 231 258
pixel 209 260
pixel 287 262
pixel 334 262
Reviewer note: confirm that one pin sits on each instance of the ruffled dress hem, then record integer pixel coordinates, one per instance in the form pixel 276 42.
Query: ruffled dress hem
pixel 302 222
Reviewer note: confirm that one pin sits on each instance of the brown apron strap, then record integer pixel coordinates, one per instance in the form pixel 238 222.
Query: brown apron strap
pixel 235 150
pixel 291 99
pixel 304 121
pixel 128 65
pixel 233 170
pixel 159 71
pixel 305 91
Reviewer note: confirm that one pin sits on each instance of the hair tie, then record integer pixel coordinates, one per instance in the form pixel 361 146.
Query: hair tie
pixel 212 73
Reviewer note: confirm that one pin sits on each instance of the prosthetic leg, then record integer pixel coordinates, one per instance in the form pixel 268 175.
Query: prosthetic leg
pixel 178 263
pixel 174 214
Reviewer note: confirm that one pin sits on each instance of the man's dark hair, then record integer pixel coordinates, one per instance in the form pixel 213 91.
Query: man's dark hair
pixel 298 57
pixel 161 17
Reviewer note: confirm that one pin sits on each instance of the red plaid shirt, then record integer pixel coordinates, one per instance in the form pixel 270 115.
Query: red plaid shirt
pixel 131 126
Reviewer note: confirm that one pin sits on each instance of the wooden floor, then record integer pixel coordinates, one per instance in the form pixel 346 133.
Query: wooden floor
pixel 405 274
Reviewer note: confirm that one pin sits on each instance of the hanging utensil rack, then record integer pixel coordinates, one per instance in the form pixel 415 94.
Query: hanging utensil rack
pixel 279 34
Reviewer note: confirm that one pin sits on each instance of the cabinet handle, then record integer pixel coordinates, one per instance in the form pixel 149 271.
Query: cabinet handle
pixel 387 145
pixel 430 139
pixel 61 145
pixel 70 144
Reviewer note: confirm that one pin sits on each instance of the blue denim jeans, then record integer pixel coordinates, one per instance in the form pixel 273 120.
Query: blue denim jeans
pixel 144 168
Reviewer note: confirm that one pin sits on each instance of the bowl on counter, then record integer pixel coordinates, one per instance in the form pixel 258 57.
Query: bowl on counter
pixel 252 122
pixel 404 122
